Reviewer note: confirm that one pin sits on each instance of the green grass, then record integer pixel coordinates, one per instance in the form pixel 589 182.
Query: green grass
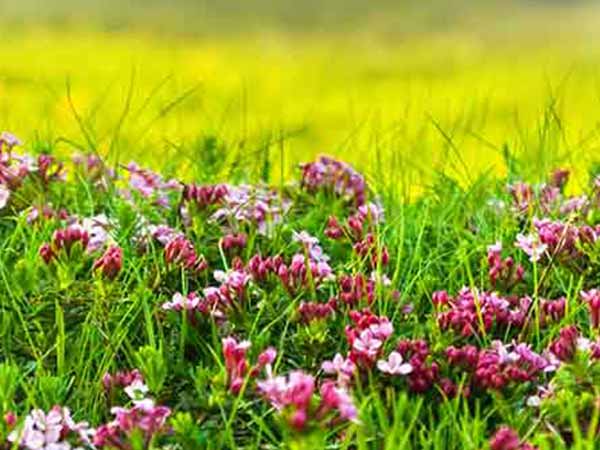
pixel 61 331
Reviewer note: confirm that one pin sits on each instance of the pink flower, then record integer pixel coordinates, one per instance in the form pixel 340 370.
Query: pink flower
pixel 531 246
pixel 337 176
pixel 236 363
pixel 180 302
pixel 144 419
pixel 394 365
pixel 592 297
pixel 337 398
pixel 52 431
pixel 344 368
pixel 367 345
pixel 8 141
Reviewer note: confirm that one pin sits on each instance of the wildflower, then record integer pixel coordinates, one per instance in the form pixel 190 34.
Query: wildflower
pixel 144 419
pixel 424 371
pixel 472 312
pixel 502 269
pixel 310 311
pixel 337 398
pixel 51 431
pixel 375 254
pixel 559 177
pixel 394 365
pixel 204 196
pixel 440 298
pixel 337 176
pixel 151 185
pixel 180 302
pixel 293 396
pixel 565 346
pixel 97 228
pixel 252 205
pixel 136 390
pixel 4 195
pixel 8 141
pixel 343 368
pixel 110 263
pixel 180 252
pixel 311 244
pixel 294 393
pixel 522 194
pixel 372 212
pixel 592 297
pixel 122 379
pixel 531 246
pixel 238 366
pixel 355 288
pixel 236 363
pixel 10 419
pixel 506 438
pixel 334 230
pixel 234 241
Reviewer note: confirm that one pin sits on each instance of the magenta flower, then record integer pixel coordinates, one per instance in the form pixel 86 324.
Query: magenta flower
pixel 144 419
pixel 507 439
pixel 110 263
pixel 180 252
pixel 236 363
pixel 293 397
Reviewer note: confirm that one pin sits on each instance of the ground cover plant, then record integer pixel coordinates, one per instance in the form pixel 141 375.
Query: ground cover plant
pixel 139 310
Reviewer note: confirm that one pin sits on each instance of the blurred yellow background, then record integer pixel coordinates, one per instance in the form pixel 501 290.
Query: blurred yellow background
pixel 391 85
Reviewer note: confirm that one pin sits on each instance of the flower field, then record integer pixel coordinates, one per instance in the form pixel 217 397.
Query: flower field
pixel 140 311
pixel 284 225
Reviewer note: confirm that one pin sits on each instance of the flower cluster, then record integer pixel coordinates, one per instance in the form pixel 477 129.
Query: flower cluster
pixel 310 311
pixel 423 371
pixel 150 185
pixel 63 241
pixel 501 270
pixel 180 252
pixel 336 176
pixel 55 430
pixel 237 365
pixel 367 336
pixel 472 312
pixel 294 397
pixel 110 263
pixel 143 420
pixel 250 205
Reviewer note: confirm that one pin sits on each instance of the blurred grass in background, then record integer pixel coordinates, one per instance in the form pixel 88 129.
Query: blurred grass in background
pixel 399 88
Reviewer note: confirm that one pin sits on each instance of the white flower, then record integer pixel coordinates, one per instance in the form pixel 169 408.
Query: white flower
pixel 136 390
pixel 4 195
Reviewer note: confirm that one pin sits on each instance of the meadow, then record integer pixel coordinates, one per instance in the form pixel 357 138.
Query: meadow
pixel 253 229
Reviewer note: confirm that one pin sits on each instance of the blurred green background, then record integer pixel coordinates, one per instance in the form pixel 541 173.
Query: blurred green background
pixel 399 88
